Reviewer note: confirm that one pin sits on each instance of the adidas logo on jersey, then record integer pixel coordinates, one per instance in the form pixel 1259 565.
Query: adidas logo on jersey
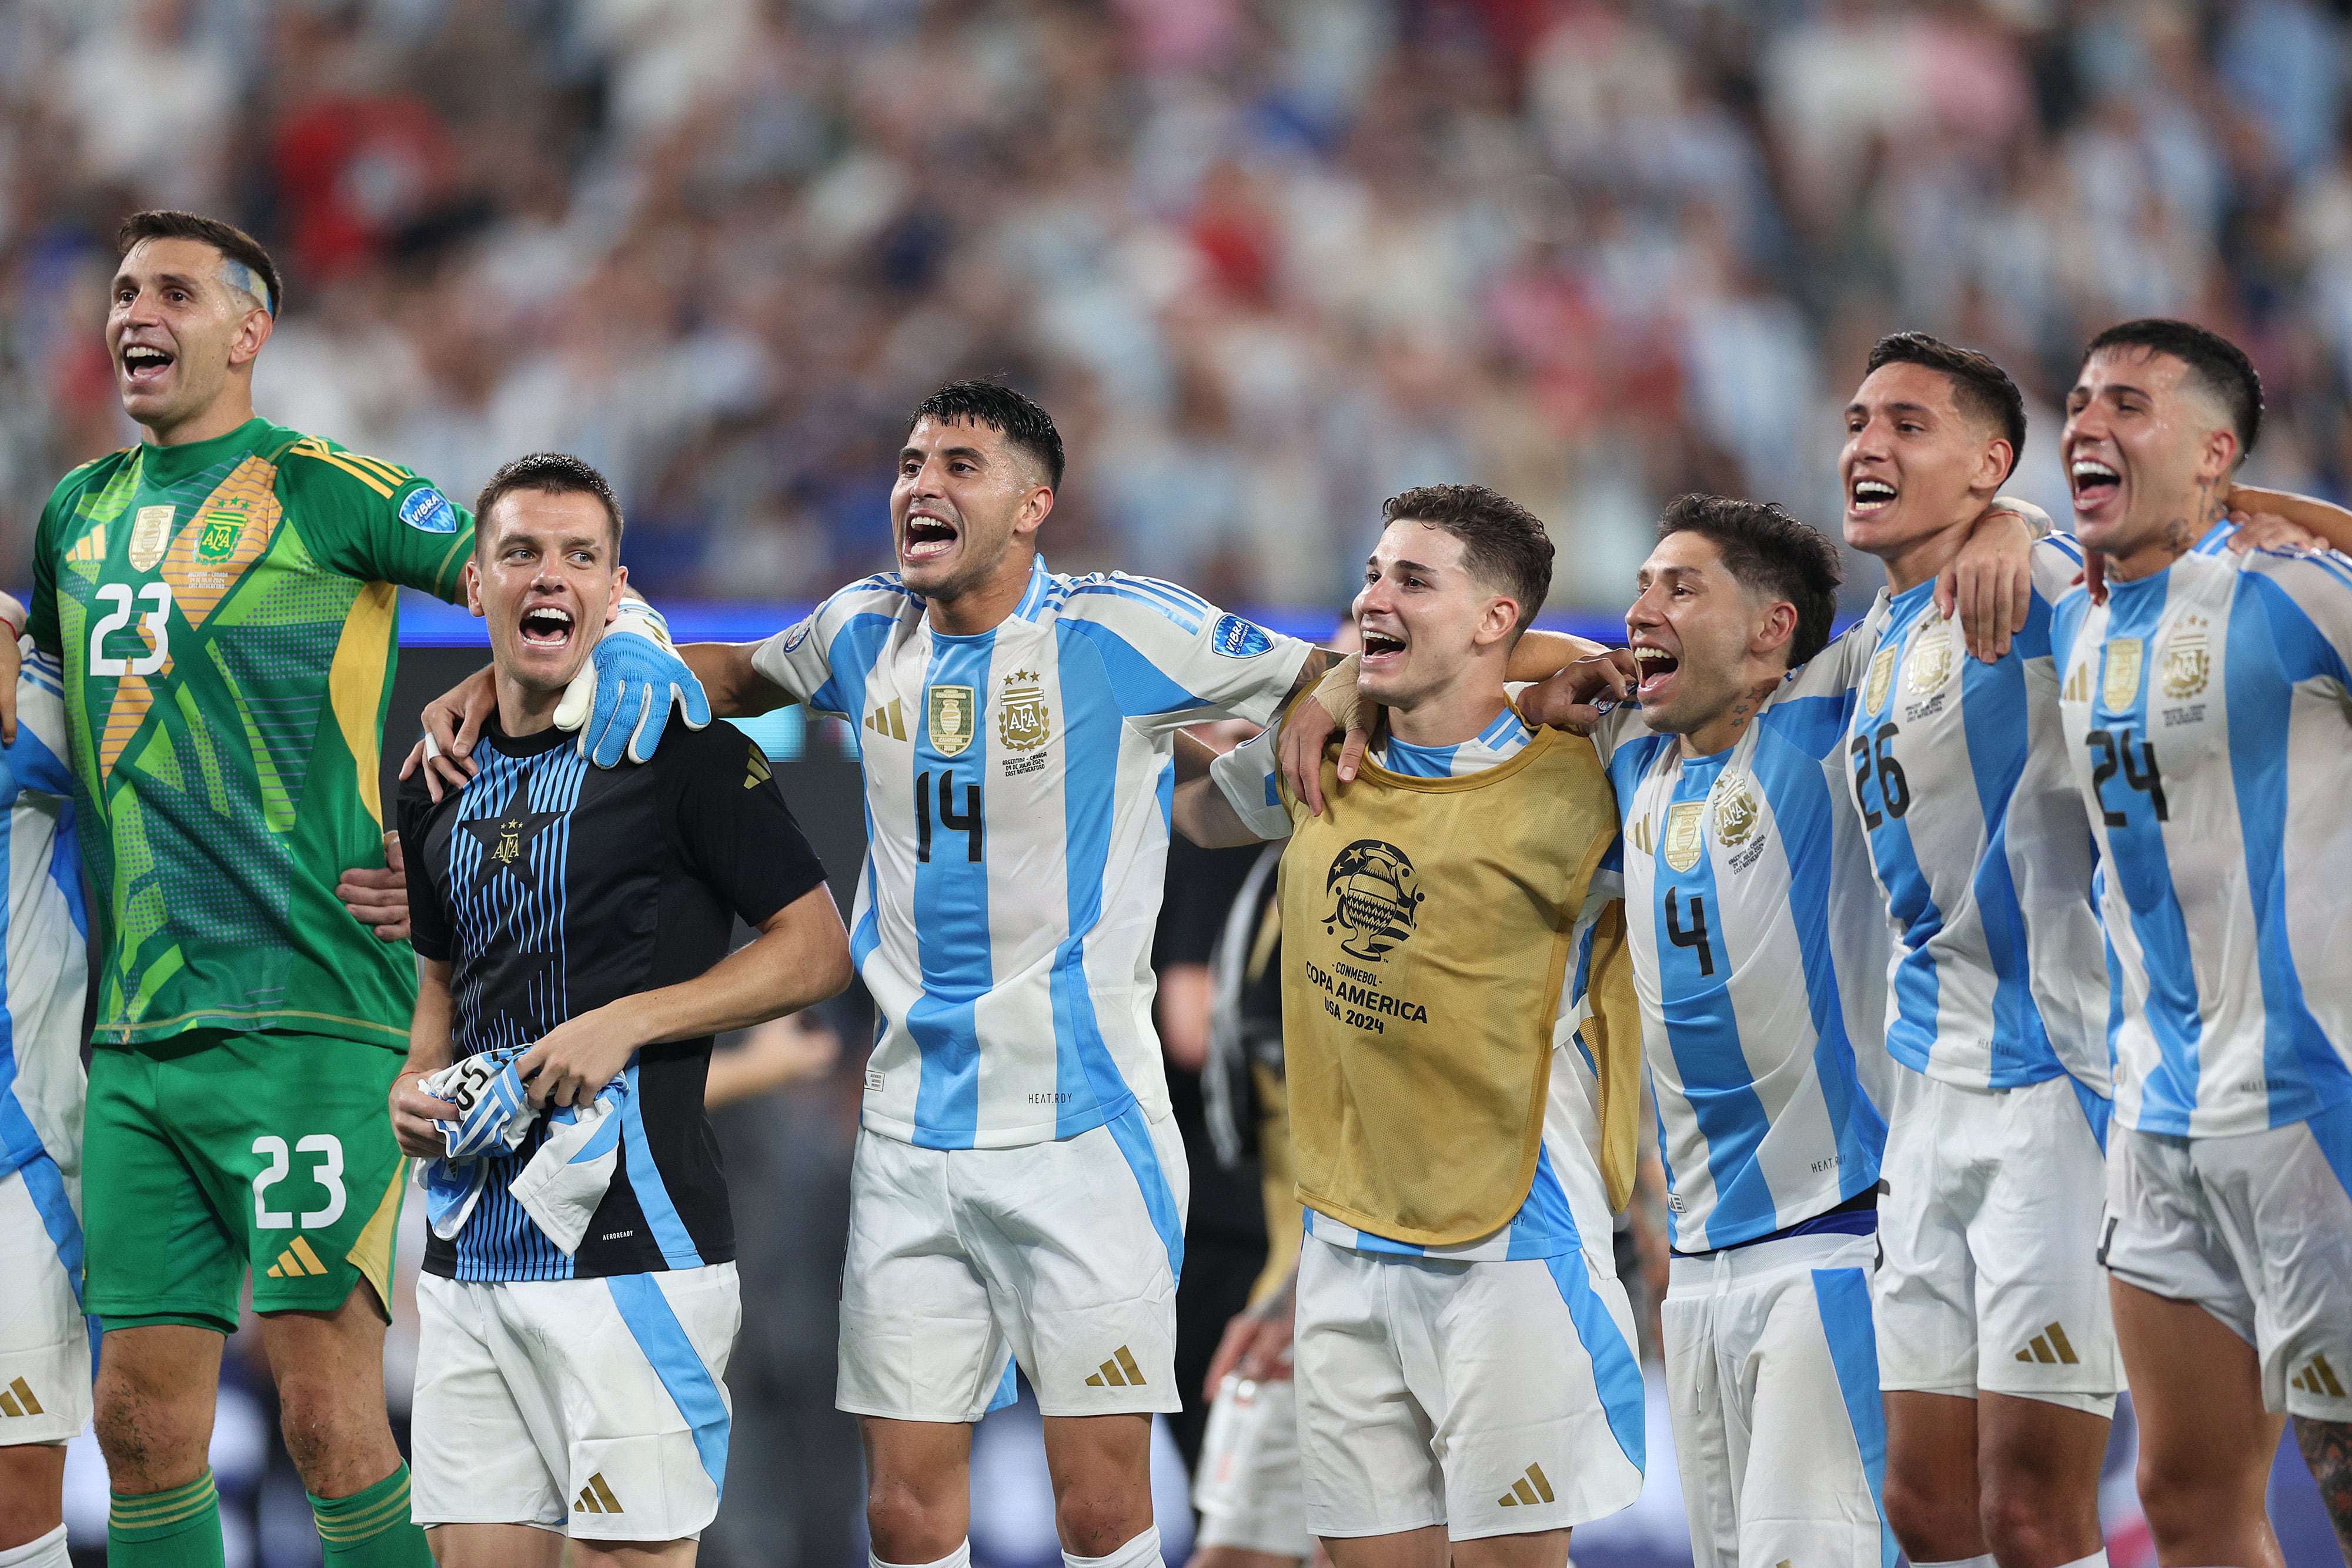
pixel 2317 1377
pixel 297 1262
pixel 16 1399
pixel 888 721
pixel 2051 1348
pixel 596 1497
pixel 758 773
pixel 1531 1488
pixel 1119 1372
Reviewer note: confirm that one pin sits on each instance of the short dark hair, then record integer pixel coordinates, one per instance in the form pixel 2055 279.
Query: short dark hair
pixel 1503 543
pixel 1024 424
pixel 1981 387
pixel 2214 362
pixel 233 242
pixel 550 473
pixel 1768 551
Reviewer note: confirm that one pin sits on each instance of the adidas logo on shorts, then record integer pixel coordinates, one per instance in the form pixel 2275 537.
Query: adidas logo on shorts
pixel 2051 1348
pixel 297 1262
pixel 596 1497
pixel 1119 1372
pixel 2317 1377
pixel 16 1399
pixel 1531 1488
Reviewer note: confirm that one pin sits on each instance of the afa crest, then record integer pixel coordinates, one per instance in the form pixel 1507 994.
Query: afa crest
pixel 1374 895
pixel 1736 810
pixel 1931 659
pixel 2187 659
pixel 1024 721
pixel 217 541
pixel 951 716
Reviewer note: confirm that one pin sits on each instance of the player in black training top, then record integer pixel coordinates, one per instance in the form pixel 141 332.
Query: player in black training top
pixel 576 1326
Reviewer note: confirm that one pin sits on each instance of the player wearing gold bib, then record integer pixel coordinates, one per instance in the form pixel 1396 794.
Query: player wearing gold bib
pixel 1458 1028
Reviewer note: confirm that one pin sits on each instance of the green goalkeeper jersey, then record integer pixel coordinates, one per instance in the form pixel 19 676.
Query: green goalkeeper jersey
pixel 228 618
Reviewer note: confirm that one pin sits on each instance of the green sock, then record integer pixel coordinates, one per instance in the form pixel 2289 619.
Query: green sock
pixel 176 1529
pixel 370 1528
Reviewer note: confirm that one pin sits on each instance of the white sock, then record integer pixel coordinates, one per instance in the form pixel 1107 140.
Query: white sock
pixel 2095 1560
pixel 1983 1560
pixel 1143 1552
pixel 48 1552
pixel 959 1558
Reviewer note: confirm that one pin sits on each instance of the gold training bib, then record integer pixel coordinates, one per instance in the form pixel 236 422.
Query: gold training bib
pixel 1426 926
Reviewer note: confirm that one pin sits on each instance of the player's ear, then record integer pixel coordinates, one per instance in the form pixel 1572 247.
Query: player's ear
pixel 1035 507
pixel 620 593
pixel 1777 624
pixel 251 333
pixel 1498 622
pixel 1995 460
pixel 2220 456
pixel 474 586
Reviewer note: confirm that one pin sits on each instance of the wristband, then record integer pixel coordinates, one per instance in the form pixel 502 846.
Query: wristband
pixel 1336 692
pixel 15 630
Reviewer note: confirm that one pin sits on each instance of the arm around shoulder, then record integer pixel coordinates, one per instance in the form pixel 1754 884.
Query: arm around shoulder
pixel 732 681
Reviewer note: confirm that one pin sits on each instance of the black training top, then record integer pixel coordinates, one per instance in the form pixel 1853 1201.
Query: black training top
pixel 553 888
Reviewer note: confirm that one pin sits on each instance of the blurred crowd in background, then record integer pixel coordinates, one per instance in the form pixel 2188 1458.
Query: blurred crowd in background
pixel 1268 261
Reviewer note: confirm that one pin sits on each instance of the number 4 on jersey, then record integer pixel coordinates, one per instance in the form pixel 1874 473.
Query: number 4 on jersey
pixel 1695 934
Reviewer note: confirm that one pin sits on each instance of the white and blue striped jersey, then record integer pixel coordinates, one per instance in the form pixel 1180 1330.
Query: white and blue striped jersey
pixel 1760 957
pixel 1567 1201
pixel 46 933
pixel 2208 712
pixel 1018 785
pixel 1977 835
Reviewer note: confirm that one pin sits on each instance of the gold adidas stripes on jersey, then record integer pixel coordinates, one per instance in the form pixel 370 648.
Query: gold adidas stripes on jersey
pixel 1426 926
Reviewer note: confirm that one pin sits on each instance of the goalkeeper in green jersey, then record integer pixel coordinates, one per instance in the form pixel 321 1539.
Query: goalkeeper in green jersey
pixel 223 596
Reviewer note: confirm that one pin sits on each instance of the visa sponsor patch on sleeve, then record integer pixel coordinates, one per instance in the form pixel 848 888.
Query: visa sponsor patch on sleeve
pixel 429 511
pixel 1239 639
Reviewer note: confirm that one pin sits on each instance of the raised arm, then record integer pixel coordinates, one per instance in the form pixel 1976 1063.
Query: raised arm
pixel 736 689
pixel 2323 522
pixel 1990 585
pixel 1201 812
pixel 1538 655
pixel 11 658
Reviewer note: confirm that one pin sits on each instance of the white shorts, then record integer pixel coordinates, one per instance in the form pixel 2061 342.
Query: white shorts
pixel 1772 1372
pixel 45 1365
pixel 1063 1256
pixel 595 1407
pixel 2256 1229
pixel 1246 1484
pixel 1495 1398
pixel 1988 1236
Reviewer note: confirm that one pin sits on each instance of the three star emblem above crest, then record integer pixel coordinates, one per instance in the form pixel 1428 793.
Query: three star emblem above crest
pixel 506 836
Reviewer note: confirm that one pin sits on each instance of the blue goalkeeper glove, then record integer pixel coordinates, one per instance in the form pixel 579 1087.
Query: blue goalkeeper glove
pixel 620 702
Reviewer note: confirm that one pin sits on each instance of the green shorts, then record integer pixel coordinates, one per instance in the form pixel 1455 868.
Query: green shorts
pixel 220 1153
